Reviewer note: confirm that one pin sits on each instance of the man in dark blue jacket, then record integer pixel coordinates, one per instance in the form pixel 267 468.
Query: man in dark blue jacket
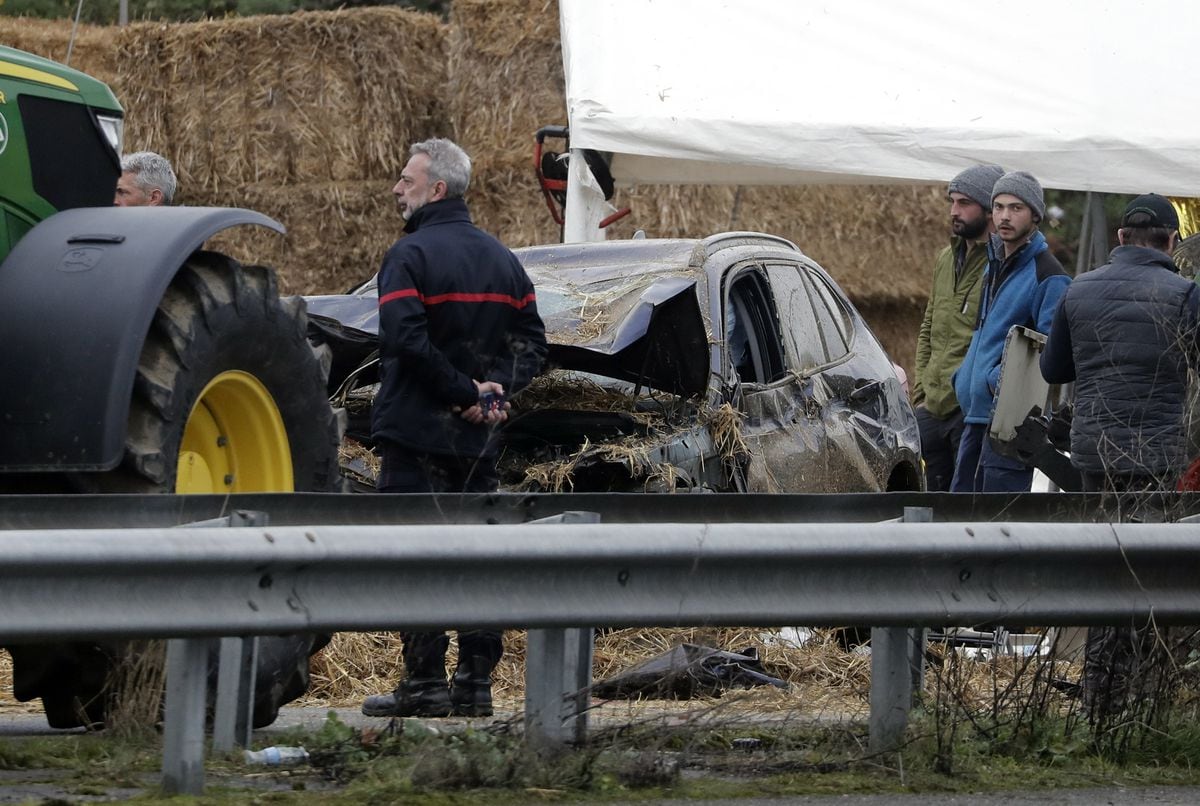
pixel 1126 334
pixel 1021 286
pixel 458 330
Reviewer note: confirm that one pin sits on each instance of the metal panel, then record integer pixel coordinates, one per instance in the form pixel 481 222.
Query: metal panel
pixel 298 509
pixel 897 668
pixel 215 582
pixel 558 672
pixel 183 722
pixel 80 290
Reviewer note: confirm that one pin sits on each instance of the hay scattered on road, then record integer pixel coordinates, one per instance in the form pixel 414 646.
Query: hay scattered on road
pixel 822 676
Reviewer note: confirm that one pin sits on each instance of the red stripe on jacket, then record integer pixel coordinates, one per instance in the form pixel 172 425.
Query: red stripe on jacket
pixel 459 296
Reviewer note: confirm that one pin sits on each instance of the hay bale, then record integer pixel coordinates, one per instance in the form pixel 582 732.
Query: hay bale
pixel 876 241
pixel 507 203
pixel 94 51
pixel 284 114
pixel 508 52
pixel 337 232
pixel 896 325
pixel 311 96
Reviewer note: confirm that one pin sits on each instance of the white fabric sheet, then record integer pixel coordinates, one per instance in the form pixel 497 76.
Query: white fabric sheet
pixel 1084 94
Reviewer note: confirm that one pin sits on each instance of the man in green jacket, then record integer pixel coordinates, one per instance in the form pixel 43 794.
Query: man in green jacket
pixel 950 319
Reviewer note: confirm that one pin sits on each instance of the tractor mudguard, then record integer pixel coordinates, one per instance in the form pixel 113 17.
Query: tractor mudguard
pixel 79 293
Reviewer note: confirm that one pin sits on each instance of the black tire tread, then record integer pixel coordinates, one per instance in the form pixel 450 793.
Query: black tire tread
pixel 185 329
pixel 212 310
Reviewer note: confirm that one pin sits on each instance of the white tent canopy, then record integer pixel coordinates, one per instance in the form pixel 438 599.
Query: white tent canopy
pixel 1084 94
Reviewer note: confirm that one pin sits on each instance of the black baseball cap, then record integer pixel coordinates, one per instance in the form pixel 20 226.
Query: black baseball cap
pixel 1150 210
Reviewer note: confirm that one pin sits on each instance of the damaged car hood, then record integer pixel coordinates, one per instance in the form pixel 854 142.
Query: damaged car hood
pixel 625 310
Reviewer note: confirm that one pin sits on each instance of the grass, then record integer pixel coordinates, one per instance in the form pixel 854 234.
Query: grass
pixel 407 762
pixel 1003 723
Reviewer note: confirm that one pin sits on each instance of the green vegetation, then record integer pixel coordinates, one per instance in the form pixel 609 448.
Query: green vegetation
pixel 1064 233
pixel 104 12
pixel 982 724
pixel 411 763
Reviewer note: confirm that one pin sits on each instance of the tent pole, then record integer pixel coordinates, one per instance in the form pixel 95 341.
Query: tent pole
pixel 1093 234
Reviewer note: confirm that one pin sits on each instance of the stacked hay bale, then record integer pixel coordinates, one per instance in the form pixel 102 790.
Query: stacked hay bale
pixel 93 51
pixel 506 82
pixel 308 117
pixel 284 100
pixel 305 117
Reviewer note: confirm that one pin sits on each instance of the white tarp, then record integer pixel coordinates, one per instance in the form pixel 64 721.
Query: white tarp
pixel 1084 94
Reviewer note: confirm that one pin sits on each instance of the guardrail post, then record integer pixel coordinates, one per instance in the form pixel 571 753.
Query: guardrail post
pixel 919 635
pixel 558 673
pixel 233 715
pixel 237 664
pixel 187 692
pixel 897 670
pixel 183 722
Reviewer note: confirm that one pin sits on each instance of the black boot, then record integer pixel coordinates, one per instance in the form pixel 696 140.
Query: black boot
pixel 423 692
pixel 415 696
pixel 471 688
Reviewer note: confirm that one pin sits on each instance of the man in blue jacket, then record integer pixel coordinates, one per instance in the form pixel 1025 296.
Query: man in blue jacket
pixel 1022 286
pixel 458 330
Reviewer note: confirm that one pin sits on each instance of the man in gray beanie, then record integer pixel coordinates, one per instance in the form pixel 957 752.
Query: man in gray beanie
pixel 950 318
pixel 1021 286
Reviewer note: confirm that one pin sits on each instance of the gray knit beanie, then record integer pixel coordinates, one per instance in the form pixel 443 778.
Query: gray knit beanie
pixel 976 184
pixel 1024 187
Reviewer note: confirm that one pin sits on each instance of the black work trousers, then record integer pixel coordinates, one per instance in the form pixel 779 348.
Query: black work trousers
pixel 404 471
pixel 1119 665
pixel 939 447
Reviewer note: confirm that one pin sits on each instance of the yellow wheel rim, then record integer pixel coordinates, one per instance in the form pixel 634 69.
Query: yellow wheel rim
pixel 234 440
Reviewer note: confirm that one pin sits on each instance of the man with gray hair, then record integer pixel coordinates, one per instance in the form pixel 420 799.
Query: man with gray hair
pixel 950 319
pixel 147 180
pixel 458 330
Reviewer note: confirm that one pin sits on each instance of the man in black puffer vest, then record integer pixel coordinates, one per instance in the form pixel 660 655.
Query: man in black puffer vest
pixel 1126 333
pixel 458 330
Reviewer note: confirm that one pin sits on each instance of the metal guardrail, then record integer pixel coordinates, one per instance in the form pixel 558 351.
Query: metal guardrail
pixel 186 582
pixel 567 578
pixel 299 509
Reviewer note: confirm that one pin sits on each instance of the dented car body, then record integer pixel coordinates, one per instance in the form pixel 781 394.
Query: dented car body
pixel 731 363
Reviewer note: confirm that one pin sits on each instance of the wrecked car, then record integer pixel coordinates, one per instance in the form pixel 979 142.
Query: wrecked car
pixel 731 363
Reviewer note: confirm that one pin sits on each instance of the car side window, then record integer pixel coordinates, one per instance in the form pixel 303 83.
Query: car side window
pixel 752 329
pixel 832 319
pixel 801 329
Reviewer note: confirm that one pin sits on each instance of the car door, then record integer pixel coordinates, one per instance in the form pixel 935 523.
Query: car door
pixel 782 429
pixel 852 392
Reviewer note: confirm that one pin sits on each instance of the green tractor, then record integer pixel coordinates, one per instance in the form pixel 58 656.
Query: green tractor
pixel 134 360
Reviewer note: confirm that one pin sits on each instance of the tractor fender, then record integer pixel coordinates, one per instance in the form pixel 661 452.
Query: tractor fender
pixel 79 292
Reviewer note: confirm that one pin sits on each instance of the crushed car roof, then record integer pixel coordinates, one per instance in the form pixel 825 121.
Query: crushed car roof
pixel 625 309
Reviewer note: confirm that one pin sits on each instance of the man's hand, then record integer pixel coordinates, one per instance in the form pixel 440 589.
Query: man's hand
pixel 477 416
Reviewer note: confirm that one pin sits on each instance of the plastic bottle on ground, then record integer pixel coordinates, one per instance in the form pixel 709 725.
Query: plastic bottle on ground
pixel 277 756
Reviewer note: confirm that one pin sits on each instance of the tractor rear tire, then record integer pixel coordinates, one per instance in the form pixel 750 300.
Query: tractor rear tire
pixel 220 320
pixel 229 397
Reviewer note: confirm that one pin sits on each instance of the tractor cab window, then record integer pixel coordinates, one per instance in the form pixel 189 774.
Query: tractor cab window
pixel 752 330
pixel 70 160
